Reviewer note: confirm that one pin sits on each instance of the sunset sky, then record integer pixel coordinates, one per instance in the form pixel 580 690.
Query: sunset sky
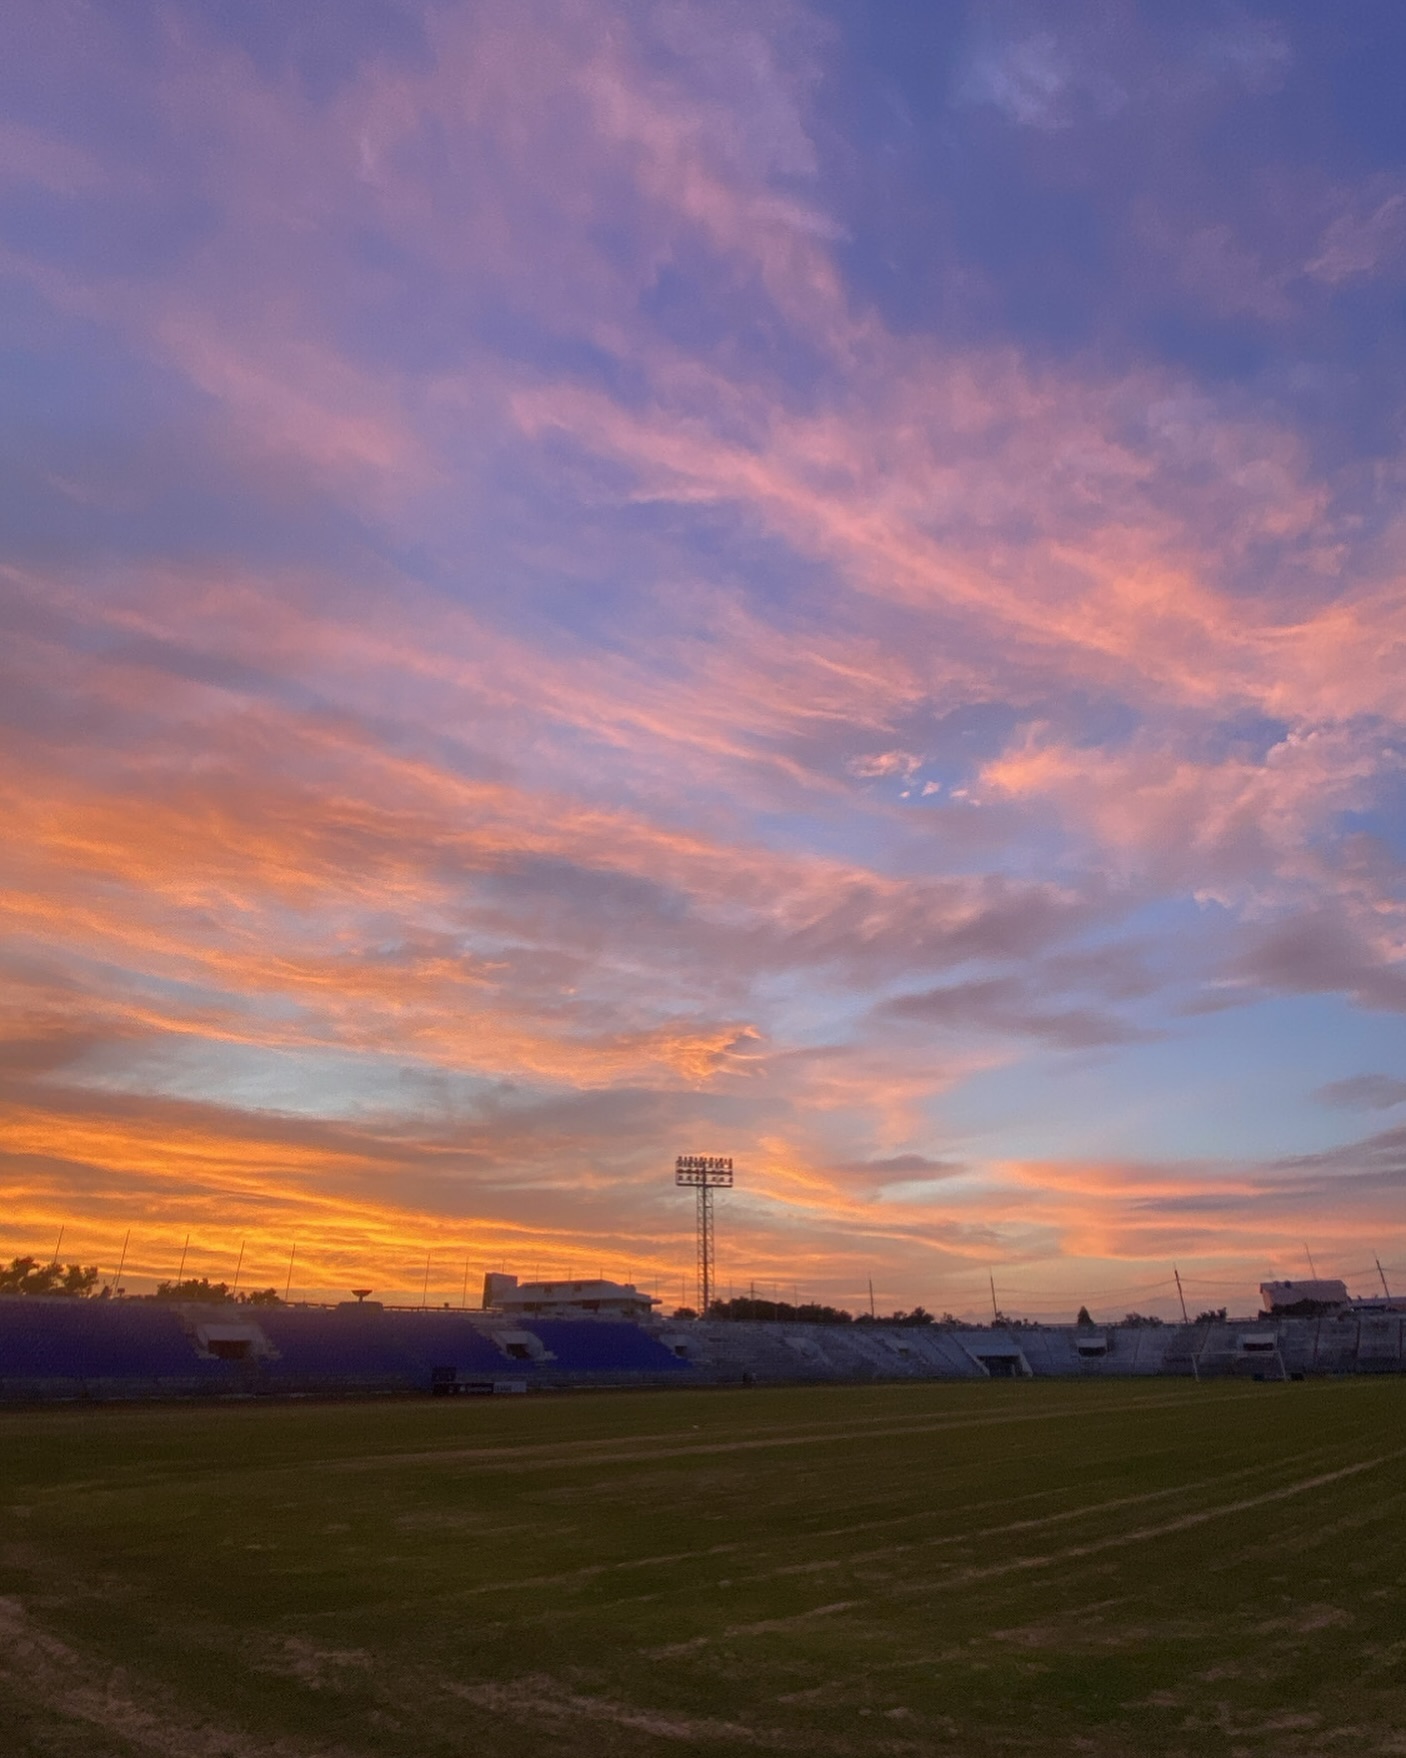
pixel 590 581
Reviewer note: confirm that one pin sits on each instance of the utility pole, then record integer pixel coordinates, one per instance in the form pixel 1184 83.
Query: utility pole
pixel 181 1273
pixel 1195 1364
pixel 1382 1273
pixel 1309 1255
pixel 995 1314
pixel 288 1285
pixel 57 1244
pixel 871 1297
pixel 464 1296
pixel 121 1265
pixel 425 1285
pixel 237 1268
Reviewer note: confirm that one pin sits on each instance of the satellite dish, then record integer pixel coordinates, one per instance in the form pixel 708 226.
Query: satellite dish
pixel 361 1293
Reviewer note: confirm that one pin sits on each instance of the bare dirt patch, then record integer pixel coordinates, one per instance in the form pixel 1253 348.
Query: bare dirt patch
pixel 314 1664
pixel 542 1698
pixel 37 1665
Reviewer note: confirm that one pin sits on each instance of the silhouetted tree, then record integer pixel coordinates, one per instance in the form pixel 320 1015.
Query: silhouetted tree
pixel 1083 1318
pixel 193 1288
pixel 26 1275
pixel 1213 1315
pixel 918 1316
pixel 1135 1319
pixel 808 1313
pixel 813 1313
pixel 199 1288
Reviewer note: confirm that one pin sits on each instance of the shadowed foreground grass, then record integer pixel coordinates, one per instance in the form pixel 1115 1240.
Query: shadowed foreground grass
pixel 966 1569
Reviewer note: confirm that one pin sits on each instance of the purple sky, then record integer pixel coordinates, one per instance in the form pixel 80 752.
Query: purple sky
pixel 824 583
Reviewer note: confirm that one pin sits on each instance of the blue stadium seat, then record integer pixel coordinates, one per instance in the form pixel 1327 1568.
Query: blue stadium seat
pixel 96 1340
pixel 595 1346
pixel 371 1345
pixel 83 1346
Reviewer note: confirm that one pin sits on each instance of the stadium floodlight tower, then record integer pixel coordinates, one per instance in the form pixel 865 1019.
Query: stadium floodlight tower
pixel 705 1173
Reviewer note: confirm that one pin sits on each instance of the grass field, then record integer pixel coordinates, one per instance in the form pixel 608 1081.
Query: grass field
pixel 967 1569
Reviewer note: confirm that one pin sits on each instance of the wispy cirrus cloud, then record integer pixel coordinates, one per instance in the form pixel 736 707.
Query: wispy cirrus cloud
pixel 1369 1092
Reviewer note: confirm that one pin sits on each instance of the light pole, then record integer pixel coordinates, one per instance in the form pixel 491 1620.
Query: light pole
pixel 704 1173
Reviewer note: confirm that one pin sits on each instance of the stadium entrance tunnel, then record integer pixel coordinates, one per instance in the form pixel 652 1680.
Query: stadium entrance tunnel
pixel 1000 1360
pixel 522 1346
pixel 240 1341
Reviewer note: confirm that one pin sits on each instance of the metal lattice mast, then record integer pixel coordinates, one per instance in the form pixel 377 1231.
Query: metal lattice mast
pixel 702 1276
pixel 705 1173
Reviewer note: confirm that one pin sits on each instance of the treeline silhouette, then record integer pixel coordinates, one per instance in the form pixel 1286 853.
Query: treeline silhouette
pixel 216 1293
pixel 26 1275
pixel 811 1313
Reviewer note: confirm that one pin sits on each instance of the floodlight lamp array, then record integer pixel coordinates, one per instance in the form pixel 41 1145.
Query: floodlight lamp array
pixel 709 1170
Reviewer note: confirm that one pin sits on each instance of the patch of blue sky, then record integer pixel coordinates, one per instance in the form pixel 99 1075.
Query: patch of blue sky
pixel 1060 159
pixel 1342 102
pixel 1235 1085
pixel 831 831
pixel 1246 734
pixel 553 354
pixel 324 1084
pixel 1384 824
pixel 109 454
pixel 1217 349
pixel 322 47
pixel 1342 385
pixel 801 1009
pixel 115 236
pixel 960 829
pixel 575 554
pixel 924 197
pixel 700 305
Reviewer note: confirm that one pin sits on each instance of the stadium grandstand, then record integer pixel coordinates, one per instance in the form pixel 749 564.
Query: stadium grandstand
pixel 59 1347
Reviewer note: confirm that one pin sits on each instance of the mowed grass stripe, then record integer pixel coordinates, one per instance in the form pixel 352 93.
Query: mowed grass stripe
pixel 951 1574
pixel 256 1422
pixel 549 1456
pixel 573 1454
pixel 1084 1511
pixel 952 1513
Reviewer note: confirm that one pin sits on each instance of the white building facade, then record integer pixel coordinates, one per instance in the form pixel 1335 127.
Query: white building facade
pixel 597 1299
